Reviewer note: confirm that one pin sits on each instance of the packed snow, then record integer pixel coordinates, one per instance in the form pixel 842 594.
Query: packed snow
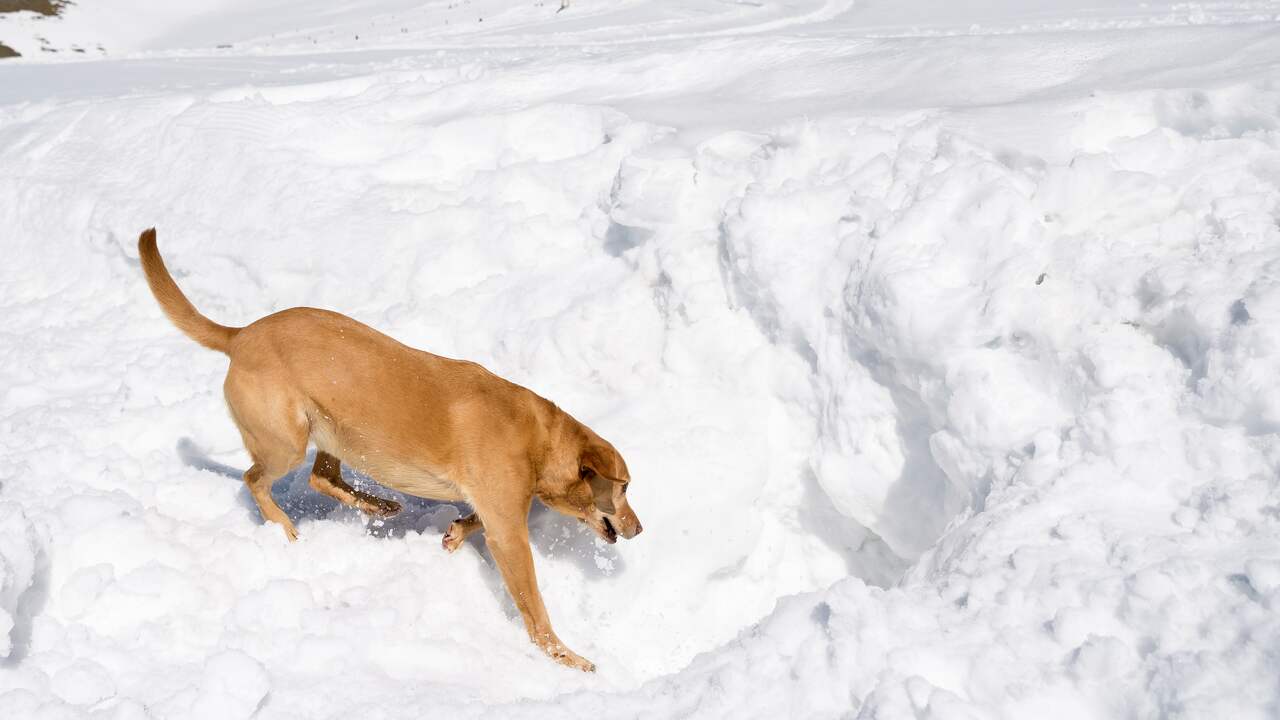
pixel 942 343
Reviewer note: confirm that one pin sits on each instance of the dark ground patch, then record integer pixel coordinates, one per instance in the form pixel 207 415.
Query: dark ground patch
pixel 43 7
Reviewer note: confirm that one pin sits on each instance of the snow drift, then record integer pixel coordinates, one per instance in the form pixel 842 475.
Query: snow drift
pixel 946 392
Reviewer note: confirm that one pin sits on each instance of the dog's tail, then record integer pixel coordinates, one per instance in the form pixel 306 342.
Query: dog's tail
pixel 176 305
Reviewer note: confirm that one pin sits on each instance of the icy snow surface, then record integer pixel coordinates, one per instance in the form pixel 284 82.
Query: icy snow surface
pixel 943 343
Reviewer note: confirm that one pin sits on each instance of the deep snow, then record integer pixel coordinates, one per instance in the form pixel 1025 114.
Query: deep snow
pixel 942 345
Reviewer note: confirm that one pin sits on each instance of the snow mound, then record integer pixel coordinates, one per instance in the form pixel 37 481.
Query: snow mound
pixel 1053 341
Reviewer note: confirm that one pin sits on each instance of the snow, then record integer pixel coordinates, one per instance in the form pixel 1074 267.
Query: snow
pixel 18 562
pixel 941 342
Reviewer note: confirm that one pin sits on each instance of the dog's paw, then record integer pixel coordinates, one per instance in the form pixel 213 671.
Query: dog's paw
pixel 380 506
pixel 452 539
pixel 572 659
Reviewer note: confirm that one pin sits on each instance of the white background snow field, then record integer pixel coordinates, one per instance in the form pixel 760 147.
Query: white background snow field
pixel 942 340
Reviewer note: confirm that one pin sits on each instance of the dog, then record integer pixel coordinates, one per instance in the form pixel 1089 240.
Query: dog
pixel 423 424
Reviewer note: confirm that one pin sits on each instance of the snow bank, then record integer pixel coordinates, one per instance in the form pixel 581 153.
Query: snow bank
pixel 960 412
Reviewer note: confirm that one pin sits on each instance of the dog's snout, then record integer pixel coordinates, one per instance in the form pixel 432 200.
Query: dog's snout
pixel 632 529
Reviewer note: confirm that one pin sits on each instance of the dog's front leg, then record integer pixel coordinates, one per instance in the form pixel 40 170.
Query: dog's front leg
pixel 507 535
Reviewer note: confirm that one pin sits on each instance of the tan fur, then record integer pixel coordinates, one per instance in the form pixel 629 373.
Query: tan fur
pixel 420 423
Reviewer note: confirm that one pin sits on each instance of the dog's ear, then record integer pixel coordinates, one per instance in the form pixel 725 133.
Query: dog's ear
pixel 602 493
pixel 590 465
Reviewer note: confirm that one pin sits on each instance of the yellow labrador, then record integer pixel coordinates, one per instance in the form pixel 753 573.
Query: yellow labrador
pixel 420 423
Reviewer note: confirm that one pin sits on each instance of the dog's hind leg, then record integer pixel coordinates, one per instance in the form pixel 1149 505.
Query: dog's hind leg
pixel 326 478
pixel 275 432
pixel 459 530
pixel 273 459
pixel 259 480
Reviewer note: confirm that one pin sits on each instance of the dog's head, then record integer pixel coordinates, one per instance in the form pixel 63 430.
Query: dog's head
pixel 598 494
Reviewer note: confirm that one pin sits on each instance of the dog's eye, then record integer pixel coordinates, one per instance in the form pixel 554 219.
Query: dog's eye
pixel 585 472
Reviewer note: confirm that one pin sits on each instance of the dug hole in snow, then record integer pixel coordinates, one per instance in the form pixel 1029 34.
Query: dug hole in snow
pixel 932 410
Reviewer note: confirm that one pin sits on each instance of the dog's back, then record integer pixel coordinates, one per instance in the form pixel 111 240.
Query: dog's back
pixel 334 371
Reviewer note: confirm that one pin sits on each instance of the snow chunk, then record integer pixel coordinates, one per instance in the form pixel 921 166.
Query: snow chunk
pixel 83 682
pixel 232 687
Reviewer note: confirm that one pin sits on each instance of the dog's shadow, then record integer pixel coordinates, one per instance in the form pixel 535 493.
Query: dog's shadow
pixel 552 534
